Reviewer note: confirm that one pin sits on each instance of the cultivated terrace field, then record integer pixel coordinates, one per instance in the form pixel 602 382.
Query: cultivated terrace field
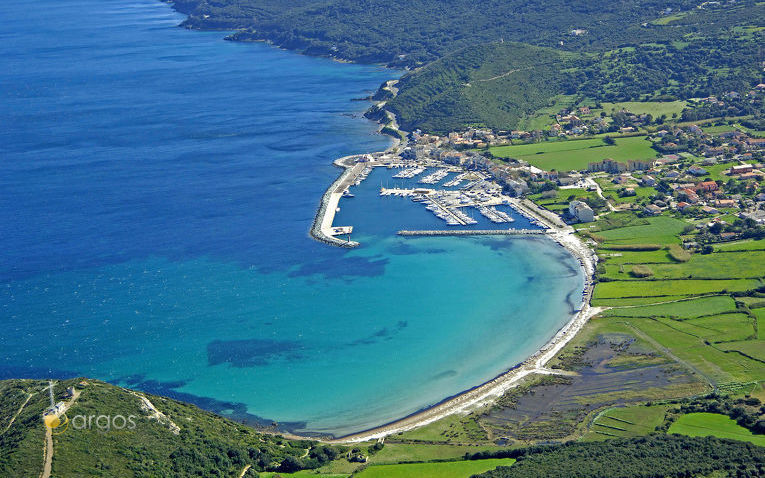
pixel 576 155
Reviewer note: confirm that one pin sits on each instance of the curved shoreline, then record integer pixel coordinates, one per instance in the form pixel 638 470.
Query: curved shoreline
pixel 535 364
pixel 490 390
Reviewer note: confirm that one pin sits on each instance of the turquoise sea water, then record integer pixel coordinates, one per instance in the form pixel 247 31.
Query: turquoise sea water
pixel 158 187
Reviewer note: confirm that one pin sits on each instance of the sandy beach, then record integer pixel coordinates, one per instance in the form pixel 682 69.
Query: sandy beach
pixel 489 391
pixel 535 364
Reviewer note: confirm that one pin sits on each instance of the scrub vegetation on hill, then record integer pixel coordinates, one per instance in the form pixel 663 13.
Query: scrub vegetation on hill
pixel 413 33
pixel 205 444
pixel 499 85
pixel 496 84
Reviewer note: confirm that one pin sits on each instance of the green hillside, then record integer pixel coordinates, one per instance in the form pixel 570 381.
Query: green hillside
pixel 501 85
pixel 177 440
pixel 493 85
pixel 416 32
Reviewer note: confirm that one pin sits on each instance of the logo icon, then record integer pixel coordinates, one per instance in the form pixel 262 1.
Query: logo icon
pixel 55 417
pixel 57 424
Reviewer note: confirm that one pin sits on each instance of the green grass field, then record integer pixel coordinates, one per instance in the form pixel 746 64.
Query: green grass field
pixel 453 428
pixel 724 327
pixel 657 230
pixel 684 309
pixel 760 314
pixel 661 288
pixel 719 129
pixel 303 474
pixel 716 365
pixel 626 422
pixel 741 246
pixel 404 452
pixel 717 171
pixel 633 301
pixel 635 257
pixel 748 265
pixel 752 348
pixel 722 426
pixel 569 155
pixel 456 469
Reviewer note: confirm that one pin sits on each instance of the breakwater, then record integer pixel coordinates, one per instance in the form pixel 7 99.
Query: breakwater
pixel 321 230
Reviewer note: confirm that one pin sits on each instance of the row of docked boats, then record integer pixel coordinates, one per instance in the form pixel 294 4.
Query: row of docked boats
pixel 408 173
pixel 363 175
pixel 435 177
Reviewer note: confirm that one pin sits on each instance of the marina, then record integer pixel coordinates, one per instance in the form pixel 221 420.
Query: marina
pixel 473 199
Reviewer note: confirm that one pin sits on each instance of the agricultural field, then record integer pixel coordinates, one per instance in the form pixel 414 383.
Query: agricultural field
pixel 740 246
pixel 454 428
pixel 301 474
pixel 713 424
pixel 663 288
pixel 635 301
pixel 656 230
pixel 624 422
pixel 760 315
pixel 715 365
pixel 754 302
pixel 635 257
pixel 567 155
pixel 751 348
pixel 685 309
pixel 734 265
pixel 455 469
pixel 409 452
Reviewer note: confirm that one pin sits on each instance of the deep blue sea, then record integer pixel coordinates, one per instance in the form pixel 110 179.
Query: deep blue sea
pixel 156 192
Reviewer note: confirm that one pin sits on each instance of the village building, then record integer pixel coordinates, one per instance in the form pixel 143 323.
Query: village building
pixel 706 186
pixel 580 211
pixel 741 169
pixel 652 210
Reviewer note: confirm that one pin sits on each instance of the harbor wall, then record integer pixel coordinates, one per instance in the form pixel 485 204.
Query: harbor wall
pixel 327 206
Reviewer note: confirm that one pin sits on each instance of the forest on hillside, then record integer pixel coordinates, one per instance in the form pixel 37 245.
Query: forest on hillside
pixel 414 32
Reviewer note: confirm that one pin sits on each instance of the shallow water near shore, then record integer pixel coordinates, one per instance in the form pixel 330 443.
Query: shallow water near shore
pixel 158 189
